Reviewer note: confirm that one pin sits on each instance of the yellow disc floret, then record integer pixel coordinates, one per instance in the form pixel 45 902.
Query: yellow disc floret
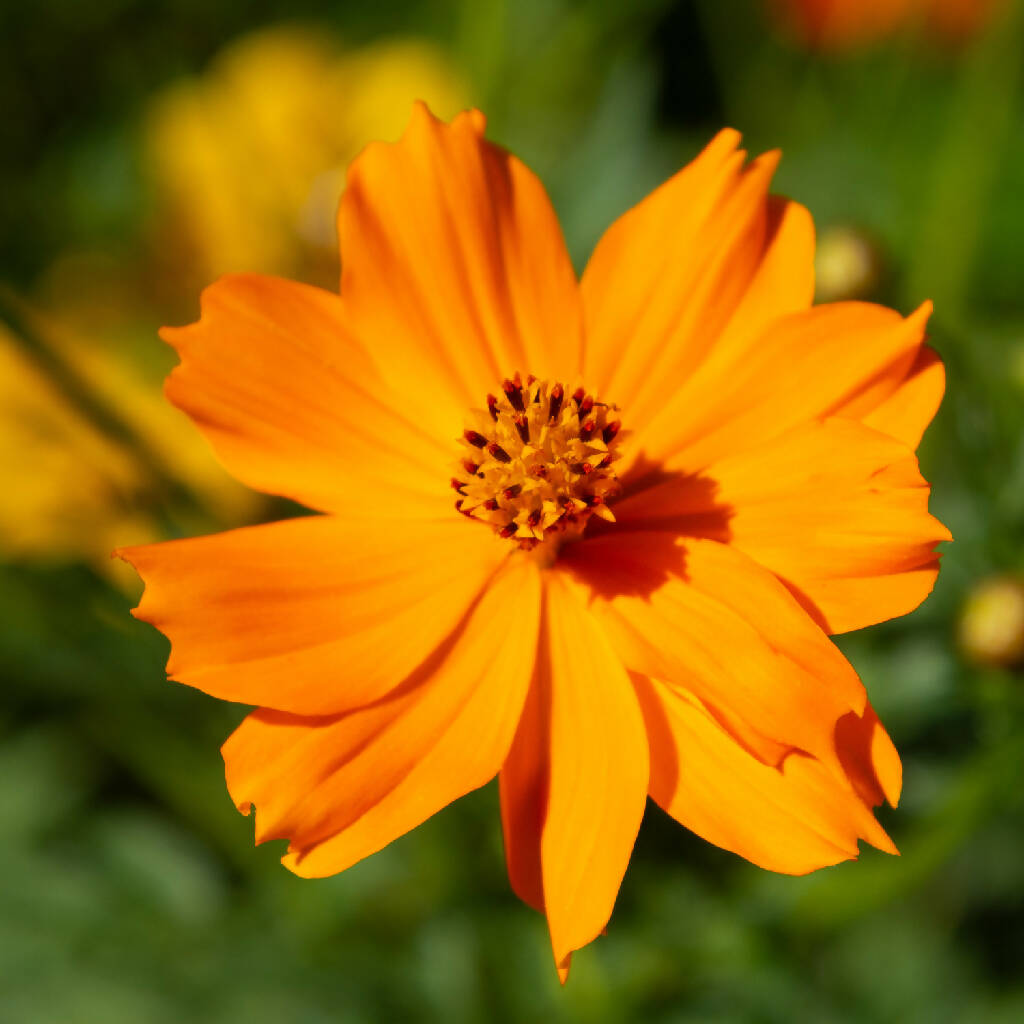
pixel 538 461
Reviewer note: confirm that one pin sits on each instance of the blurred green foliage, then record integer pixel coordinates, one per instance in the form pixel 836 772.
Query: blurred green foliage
pixel 131 889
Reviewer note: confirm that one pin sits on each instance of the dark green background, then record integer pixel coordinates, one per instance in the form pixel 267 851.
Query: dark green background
pixel 129 887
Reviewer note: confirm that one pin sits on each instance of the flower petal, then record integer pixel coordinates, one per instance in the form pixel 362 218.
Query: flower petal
pixel 906 411
pixel 869 758
pixel 793 818
pixel 523 786
pixel 312 615
pixel 804 366
pixel 669 275
pixel 574 785
pixel 839 512
pixel 784 279
pixel 454 265
pixel 342 787
pixel 708 620
pixel 293 405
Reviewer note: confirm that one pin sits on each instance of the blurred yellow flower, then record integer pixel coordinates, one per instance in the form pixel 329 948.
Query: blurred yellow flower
pixel 247 161
pixel 75 481
pixel 64 474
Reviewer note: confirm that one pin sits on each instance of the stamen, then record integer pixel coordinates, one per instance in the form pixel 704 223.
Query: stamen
pixel 523 428
pixel 497 452
pixel 555 402
pixel 514 393
pixel 536 467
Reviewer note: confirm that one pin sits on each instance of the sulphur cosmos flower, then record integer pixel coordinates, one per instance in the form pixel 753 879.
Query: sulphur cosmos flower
pixel 586 535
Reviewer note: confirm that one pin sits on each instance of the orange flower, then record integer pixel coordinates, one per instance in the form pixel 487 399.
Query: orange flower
pixel 607 611
pixel 844 24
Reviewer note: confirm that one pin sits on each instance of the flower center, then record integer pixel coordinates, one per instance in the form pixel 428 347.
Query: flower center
pixel 538 462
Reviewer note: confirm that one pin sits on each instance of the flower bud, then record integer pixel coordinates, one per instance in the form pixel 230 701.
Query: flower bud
pixel 992 622
pixel 847 265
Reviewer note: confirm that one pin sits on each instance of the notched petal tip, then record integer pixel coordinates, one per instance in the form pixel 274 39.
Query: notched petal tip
pixel 423 118
pixel 135 556
pixel 766 163
pixel 923 312
pixel 174 335
pixel 869 758
pixel 563 969
pixel 476 120
pixel 725 138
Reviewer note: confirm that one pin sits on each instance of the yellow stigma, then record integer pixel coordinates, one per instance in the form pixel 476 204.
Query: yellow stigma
pixel 538 461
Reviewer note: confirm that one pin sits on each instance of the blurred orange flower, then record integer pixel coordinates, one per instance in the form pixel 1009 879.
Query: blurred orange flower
pixel 247 161
pixel 626 599
pixel 842 24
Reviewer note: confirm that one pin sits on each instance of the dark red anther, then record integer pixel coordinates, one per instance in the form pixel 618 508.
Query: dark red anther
pixel 605 462
pixel 522 428
pixel 514 393
pixel 457 485
pixel 459 508
pixel 497 452
pixel 491 504
pixel 530 378
pixel 533 519
pixel 555 406
pixel 512 492
pixel 475 439
pixel 577 395
pixel 492 406
pixel 585 406
pixel 593 500
pixel 587 429
pixel 611 431
pixel 470 466
pixel 540 470
pixel 508 530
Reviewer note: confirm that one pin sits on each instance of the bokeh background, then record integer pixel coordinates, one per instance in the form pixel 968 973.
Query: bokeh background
pixel 146 147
